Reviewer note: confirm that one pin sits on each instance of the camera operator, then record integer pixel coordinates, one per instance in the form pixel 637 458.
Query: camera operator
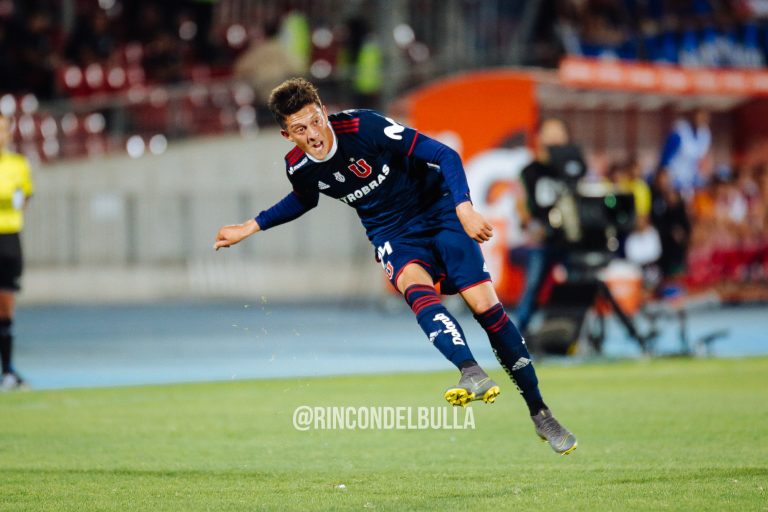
pixel 541 180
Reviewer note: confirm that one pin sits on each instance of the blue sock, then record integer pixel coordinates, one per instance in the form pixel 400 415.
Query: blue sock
pixel 438 324
pixel 510 350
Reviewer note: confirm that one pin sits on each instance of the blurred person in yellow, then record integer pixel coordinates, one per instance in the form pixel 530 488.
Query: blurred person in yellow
pixel 15 190
pixel 628 177
pixel 643 245
pixel 266 64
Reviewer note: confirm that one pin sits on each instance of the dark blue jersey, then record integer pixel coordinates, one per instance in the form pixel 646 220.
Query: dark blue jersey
pixel 390 174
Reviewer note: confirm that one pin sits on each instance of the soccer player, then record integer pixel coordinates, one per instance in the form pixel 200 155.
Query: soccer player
pixel 412 197
pixel 15 191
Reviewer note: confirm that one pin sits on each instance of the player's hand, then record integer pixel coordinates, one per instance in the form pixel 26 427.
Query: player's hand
pixel 233 233
pixel 473 223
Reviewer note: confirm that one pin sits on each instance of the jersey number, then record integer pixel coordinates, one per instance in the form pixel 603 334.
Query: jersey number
pixel 360 168
pixel 384 250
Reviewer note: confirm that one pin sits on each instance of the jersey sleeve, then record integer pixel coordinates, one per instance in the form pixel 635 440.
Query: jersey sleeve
pixel 296 203
pixel 289 208
pixel 308 196
pixel 449 161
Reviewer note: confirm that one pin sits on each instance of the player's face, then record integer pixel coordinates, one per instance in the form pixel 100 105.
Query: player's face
pixel 309 129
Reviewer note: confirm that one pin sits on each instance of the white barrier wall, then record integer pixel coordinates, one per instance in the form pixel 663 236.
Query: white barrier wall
pixel 119 228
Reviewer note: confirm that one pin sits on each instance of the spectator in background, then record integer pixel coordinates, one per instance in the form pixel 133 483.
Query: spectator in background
pixel 628 176
pixel 759 202
pixel 643 245
pixel 606 32
pixel 364 60
pixel 38 50
pixel 15 190
pixel 546 249
pixel 685 150
pixel 145 21
pixel 296 38
pixel 93 39
pixel 265 65
pixel 760 217
pixel 162 59
pixel 731 211
pixel 9 79
pixel 670 218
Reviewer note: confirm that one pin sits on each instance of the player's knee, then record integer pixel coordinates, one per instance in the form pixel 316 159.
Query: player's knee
pixel 413 274
pixel 484 306
pixel 481 298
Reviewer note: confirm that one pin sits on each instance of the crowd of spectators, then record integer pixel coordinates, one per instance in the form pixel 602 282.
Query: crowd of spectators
pixel 697 33
pixel 707 231
pixel 113 45
pixel 729 240
pixel 148 41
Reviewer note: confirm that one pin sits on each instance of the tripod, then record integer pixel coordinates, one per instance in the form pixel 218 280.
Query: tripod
pixel 564 314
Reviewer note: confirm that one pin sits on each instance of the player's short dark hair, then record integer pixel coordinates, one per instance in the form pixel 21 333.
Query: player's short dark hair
pixel 291 96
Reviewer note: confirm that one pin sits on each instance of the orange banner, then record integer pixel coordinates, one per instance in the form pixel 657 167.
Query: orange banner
pixel 476 111
pixel 595 73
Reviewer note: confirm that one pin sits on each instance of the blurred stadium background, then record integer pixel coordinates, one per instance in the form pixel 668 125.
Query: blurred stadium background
pixel 146 126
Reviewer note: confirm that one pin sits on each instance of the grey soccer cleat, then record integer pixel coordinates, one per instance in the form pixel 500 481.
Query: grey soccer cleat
pixel 474 384
pixel 12 381
pixel 550 430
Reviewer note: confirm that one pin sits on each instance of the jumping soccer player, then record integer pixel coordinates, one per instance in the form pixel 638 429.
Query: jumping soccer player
pixel 412 197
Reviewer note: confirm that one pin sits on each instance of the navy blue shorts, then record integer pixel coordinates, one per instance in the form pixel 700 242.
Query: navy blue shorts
pixel 446 252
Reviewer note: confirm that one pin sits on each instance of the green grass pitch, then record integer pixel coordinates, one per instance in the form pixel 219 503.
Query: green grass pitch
pixel 653 435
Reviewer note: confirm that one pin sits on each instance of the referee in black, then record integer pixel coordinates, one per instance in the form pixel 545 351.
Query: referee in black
pixel 15 190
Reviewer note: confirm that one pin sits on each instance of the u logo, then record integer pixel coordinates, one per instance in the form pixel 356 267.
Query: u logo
pixel 360 168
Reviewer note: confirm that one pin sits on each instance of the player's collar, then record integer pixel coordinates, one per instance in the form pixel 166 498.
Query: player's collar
pixel 331 153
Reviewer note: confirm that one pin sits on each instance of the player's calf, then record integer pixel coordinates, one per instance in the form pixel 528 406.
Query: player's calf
pixel 445 333
pixel 509 347
pixel 442 329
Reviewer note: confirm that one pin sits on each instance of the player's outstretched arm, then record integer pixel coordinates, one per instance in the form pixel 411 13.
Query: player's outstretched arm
pixel 289 208
pixel 234 233
pixel 473 222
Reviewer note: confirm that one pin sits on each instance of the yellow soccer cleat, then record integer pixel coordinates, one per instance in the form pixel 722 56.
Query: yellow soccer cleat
pixel 474 384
